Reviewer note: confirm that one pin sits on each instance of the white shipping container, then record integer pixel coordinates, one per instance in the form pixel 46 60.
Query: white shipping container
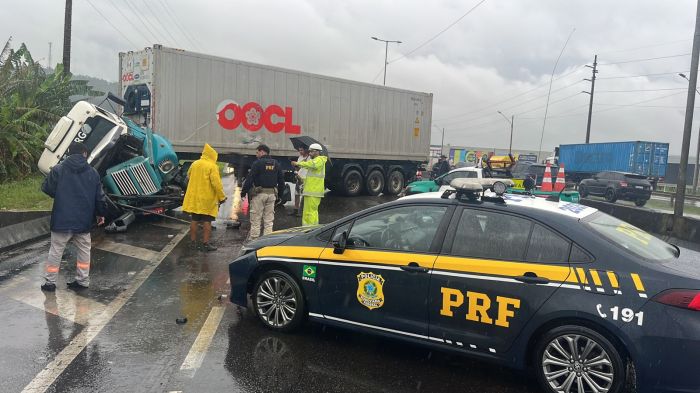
pixel 234 105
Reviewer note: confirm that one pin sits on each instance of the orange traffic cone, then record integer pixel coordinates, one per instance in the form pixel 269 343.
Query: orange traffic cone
pixel 561 181
pixel 547 179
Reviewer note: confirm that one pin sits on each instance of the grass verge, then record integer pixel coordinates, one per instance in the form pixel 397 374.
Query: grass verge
pixel 24 194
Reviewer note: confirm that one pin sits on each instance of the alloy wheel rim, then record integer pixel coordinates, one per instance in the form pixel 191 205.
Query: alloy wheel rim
pixel 574 363
pixel 276 302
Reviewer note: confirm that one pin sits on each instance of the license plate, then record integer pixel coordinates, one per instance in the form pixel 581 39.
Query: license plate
pixel 640 187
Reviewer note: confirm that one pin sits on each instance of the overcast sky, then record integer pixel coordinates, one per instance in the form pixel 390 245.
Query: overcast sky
pixel 498 57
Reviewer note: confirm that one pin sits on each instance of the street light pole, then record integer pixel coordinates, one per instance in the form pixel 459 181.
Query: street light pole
pixel 697 151
pixel 511 121
pixel 386 53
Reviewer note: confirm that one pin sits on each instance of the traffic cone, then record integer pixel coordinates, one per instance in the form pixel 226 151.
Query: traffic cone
pixel 561 180
pixel 547 179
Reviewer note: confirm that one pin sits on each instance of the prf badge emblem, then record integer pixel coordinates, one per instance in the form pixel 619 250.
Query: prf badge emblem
pixel 370 290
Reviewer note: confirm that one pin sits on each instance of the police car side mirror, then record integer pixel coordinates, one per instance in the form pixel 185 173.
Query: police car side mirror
pixel 340 241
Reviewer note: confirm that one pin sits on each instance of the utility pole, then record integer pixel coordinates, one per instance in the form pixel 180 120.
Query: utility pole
pixel 690 105
pixel 442 143
pixel 590 103
pixel 66 37
pixel 511 121
pixel 697 151
pixel 386 53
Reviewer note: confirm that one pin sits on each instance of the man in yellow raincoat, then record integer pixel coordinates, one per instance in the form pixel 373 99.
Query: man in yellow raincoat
pixel 205 193
pixel 314 183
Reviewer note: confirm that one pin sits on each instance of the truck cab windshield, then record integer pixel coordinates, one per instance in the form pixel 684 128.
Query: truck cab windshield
pixel 93 131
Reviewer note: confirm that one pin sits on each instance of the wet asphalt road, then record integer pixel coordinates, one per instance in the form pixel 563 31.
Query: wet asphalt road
pixel 121 334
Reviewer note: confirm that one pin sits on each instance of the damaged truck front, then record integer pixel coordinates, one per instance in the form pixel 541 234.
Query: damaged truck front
pixel 140 171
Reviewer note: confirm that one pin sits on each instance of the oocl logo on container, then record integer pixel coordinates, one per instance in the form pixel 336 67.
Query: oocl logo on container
pixel 253 117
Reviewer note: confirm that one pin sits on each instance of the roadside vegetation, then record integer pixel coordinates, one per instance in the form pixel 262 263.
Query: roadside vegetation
pixel 31 101
pixel 24 194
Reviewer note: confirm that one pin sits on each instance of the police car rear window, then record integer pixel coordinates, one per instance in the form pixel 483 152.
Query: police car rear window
pixel 629 237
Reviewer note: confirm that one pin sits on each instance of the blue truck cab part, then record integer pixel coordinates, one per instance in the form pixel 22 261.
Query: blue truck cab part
pixel 139 168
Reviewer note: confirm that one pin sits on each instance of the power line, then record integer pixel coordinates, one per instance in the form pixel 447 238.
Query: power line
pixel 646 47
pixel 155 17
pixel 647 59
pixel 438 34
pixel 515 96
pixel 643 75
pixel 129 20
pixel 137 12
pixel 640 90
pixel 516 105
pixel 624 105
pixel 178 25
pixel 110 23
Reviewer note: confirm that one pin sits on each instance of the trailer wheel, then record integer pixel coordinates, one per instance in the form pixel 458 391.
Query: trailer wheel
pixel 375 183
pixel 352 182
pixel 394 183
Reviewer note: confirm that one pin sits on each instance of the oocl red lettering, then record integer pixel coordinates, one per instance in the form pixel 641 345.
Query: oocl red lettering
pixel 253 117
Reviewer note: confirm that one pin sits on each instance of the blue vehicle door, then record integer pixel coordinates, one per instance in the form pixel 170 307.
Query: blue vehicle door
pixel 380 281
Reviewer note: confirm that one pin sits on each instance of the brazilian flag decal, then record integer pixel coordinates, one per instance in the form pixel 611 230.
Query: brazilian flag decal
pixel 309 271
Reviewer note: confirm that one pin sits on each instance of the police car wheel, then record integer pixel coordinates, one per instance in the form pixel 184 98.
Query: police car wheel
pixel 278 301
pixel 572 359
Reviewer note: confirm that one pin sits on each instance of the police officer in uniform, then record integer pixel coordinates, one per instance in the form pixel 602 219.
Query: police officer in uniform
pixel 263 183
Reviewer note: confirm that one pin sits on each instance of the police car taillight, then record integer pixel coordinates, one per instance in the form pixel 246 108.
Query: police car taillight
pixel 683 298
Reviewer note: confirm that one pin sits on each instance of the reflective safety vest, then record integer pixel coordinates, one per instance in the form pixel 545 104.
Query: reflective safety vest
pixel 314 181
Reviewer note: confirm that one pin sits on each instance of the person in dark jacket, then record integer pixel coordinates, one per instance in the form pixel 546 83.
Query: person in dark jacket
pixel 78 198
pixel 443 166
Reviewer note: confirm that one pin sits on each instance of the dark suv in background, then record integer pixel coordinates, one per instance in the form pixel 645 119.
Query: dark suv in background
pixel 617 185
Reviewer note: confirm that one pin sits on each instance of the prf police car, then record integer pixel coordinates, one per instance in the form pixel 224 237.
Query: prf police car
pixel 589 302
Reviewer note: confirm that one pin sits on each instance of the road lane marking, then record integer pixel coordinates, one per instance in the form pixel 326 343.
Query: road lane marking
pixel 58 365
pixel 126 249
pixel 201 344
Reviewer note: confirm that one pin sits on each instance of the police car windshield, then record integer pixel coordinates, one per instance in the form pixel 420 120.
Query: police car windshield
pixel 630 238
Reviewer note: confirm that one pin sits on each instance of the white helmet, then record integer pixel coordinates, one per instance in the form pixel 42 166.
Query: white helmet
pixel 315 146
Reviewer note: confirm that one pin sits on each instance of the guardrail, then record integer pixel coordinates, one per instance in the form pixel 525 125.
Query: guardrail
pixel 672 196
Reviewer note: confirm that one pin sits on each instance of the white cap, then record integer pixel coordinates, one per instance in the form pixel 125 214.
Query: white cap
pixel 315 146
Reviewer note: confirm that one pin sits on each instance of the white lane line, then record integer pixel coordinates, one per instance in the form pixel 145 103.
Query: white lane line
pixel 66 304
pixel 126 249
pixel 53 370
pixel 201 344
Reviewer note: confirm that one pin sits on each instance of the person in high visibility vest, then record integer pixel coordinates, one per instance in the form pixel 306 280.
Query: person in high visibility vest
pixel 314 183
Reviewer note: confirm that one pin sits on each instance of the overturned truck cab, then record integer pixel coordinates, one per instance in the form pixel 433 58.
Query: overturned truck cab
pixel 139 169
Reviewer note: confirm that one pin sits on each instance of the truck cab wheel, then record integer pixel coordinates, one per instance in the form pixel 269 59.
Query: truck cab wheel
pixel 352 182
pixel 394 183
pixel 375 183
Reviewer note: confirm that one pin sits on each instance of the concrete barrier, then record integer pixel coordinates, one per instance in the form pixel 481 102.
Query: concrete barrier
pixel 17 227
pixel 688 229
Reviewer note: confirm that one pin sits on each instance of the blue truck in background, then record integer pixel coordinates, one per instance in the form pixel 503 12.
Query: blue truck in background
pixel 582 160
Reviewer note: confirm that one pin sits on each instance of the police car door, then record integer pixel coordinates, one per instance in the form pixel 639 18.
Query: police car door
pixel 380 280
pixel 491 278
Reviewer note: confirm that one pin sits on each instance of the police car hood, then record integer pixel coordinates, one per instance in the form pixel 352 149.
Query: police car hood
pixel 279 237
